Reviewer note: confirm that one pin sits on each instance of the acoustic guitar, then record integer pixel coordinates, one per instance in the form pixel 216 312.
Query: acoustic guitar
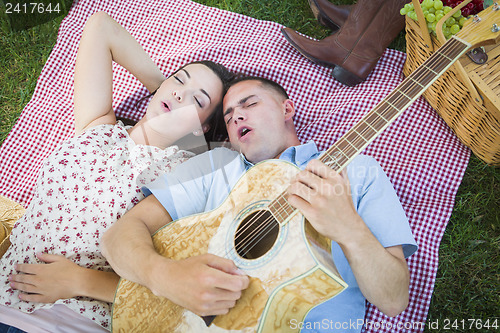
pixel 289 264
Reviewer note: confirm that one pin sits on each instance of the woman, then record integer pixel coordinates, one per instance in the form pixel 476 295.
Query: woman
pixel 95 177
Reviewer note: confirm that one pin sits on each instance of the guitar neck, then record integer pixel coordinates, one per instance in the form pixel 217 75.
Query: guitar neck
pixel 340 154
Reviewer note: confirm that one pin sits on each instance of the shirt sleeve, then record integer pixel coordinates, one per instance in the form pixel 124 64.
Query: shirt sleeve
pixel 183 191
pixel 378 205
pixel 199 184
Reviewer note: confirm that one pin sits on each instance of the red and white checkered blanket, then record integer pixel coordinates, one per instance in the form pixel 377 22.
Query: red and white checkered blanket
pixel 422 157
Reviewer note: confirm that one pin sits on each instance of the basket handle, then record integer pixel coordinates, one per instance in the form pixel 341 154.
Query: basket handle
pixel 460 71
pixel 421 23
pixel 440 23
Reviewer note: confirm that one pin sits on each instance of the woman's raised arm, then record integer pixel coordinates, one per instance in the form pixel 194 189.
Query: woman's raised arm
pixel 103 41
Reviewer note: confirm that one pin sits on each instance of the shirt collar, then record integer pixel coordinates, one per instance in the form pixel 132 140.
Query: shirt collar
pixel 299 155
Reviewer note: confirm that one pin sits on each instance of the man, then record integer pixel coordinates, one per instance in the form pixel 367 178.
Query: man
pixel 369 231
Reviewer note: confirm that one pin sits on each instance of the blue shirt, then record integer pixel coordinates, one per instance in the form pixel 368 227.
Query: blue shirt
pixel 202 183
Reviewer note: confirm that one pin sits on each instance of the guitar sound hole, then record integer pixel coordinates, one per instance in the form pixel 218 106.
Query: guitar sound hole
pixel 256 234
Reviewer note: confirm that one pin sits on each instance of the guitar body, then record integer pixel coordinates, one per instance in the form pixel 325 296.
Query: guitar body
pixel 291 269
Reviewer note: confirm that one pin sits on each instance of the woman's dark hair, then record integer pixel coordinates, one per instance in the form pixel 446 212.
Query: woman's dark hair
pixel 217 131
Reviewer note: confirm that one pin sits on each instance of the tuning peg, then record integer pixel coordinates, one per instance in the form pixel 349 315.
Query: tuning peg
pixel 495 28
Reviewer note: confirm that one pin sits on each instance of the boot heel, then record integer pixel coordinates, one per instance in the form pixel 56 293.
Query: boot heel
pixel 345 77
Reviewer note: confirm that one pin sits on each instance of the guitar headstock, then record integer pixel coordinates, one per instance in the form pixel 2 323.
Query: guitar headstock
pixel 483 28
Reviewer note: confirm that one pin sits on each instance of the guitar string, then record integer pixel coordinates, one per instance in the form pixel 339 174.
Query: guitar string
pixel 270 225
pixel 266 226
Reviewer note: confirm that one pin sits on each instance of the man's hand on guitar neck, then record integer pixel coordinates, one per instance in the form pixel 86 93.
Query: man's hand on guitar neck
pixel 324 197
pixel 205 284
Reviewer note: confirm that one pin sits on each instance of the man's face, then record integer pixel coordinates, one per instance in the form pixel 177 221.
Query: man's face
pixel 255 118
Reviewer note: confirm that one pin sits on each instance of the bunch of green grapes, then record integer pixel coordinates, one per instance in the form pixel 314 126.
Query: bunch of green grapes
pixel 434 10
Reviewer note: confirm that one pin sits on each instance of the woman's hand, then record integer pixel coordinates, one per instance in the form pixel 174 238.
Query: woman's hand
pixel 60 278
pixel 46 283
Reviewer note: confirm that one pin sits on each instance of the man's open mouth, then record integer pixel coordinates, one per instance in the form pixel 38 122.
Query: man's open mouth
pixel 243 131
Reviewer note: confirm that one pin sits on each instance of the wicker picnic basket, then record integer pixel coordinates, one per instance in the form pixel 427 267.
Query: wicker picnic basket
pixel 467 96
pixel 10 212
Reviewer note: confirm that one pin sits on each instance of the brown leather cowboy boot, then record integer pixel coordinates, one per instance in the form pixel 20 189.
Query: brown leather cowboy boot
pixel 355 48
pixel 330 15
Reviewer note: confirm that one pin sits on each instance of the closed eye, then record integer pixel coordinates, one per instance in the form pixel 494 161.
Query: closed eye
pixel 180 81
pixel 227 121
pixel 198 102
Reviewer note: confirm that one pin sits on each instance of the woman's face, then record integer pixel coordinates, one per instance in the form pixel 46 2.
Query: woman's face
pixel 184 101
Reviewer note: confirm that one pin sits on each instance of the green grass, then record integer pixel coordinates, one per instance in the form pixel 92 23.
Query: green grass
pixel 22 56
pixel 467 285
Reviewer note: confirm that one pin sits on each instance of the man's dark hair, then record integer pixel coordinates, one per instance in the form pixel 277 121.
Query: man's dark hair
pixel 265 82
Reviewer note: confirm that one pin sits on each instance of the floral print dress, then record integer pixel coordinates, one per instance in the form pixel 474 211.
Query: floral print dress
pixel 85 185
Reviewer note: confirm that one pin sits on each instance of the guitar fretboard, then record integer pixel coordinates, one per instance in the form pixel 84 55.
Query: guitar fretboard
pixel 378 119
